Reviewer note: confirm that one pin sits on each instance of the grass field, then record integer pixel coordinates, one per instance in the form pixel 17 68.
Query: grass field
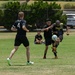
pixel 65 65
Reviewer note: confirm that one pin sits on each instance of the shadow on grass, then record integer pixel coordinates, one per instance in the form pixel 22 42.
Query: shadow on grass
pixel 51 58
pixel 18 65
pixel 21 65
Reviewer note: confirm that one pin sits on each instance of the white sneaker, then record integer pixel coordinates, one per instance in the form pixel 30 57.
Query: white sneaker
pixel 30 63
pixel 8 60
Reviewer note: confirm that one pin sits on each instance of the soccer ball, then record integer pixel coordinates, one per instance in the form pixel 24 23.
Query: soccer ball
pixel 54 37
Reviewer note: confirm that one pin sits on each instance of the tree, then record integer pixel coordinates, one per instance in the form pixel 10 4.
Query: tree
pixel 37 13
pixel 10 13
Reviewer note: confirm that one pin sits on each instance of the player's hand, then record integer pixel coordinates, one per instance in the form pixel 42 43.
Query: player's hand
pixel 27 30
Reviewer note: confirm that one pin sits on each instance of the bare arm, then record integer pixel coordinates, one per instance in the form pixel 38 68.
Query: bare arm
pixel 13 28
pixel 24 28
pixel 37 40
pixel 46 29
pixel 50 27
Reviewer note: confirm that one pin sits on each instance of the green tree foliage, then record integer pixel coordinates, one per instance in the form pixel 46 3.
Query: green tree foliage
pixel 37 13
pixel 56 0
pixel 37 0
pixel 69 6
pixel 42 10
pixel 1 17
pixel 63 19
pixel 10 13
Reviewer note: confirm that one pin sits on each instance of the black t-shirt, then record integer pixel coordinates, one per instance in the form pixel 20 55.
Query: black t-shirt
pixel 47 34
pixel 18 25
pixel 39 37
pixel 58 29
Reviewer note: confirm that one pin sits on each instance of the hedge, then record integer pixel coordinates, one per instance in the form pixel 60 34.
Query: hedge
pixel 69 6
pixel 35 13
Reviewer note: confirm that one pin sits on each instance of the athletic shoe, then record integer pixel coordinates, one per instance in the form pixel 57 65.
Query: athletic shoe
pixel 56 57
pixel 67 34
pixel 30 63
pixel 8 60
pixel 44 57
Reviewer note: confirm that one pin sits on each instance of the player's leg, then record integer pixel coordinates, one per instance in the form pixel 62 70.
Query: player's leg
pixel 28 56
pixel 54 50
pixel 48 42
pixel 54 47
pixel 26 44
pixel 37 42
pixel 13 51
pixel 28 53
pixel 45 52
pixel 16 45
pixel 11 55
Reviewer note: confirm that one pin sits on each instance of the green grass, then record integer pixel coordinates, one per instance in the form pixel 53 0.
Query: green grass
pixel 65 65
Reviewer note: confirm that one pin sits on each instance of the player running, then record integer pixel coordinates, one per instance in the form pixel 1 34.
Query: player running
pixel 57 30
pixel 20 27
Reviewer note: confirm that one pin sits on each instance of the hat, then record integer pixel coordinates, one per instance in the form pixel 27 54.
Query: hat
pixel 48 20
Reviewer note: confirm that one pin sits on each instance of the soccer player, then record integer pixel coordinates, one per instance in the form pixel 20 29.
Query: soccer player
pixel 20 27
pixel 48 36
pixel 38 38
pixel 57 30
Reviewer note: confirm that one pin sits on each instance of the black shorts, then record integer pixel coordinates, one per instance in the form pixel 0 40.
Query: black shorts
pixel 21 39
pixel 48 41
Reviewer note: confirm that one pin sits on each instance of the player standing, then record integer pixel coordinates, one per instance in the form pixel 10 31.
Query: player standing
pixel 48 36
pixel 20 27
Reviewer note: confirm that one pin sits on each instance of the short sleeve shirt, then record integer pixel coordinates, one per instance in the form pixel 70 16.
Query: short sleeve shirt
pixel 47 34
pixel 18 25
pixel 39 37
pixel 58 28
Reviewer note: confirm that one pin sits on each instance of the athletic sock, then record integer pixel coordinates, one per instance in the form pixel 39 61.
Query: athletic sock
pixel 28 61
pixel 55 53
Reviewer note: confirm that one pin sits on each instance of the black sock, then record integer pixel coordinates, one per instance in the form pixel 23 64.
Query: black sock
pixel 55 53
pixel 45 54
pixel 28 61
